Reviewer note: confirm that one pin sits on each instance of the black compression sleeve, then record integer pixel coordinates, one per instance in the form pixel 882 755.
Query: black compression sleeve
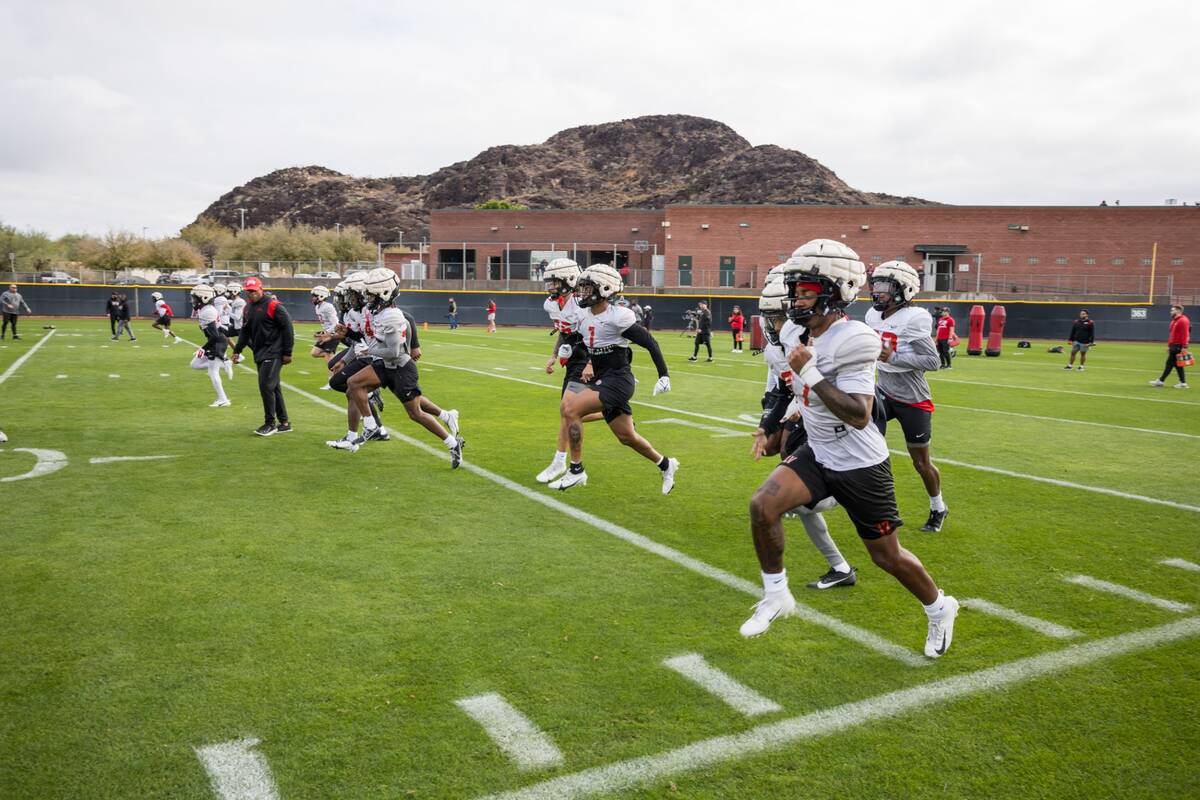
pixel 640 336
pixel 775 403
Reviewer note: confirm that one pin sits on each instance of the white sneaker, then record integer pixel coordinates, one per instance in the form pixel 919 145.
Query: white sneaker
pixel 668 475
pixel 941 630
pixel 325 388
pixel 1181 386
pixel 555 470
pixel 772 606
pixel 569 480
pixel 1080 368
pixel 452 423
pixel 219 404
pixel 3 438
pixel 346 443
pixel 1157 383
pixel 178 340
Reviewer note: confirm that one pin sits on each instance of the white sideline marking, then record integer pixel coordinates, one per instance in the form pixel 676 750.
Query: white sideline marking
pixel 734 694
pixel 164 374
pixel 60 376
pixel 113 375
pixel 16 364
pixel 717 433
pixel 1033 623
pixel 1125 591
pixel 1070 421
pixel 47 461
pixel 1064 391
pixel 237 772
pixel 512 731
pixel 844 629
pixel 500 369
pixel 1181 563
pixel 112 459
pixel 750 418
pixel 1056 482
pixel 777 735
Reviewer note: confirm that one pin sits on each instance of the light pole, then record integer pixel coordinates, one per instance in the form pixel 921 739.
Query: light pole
pixel 338 225
pixel 242 211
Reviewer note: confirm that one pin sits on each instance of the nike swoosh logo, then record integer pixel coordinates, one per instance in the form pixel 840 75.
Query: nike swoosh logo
pixel 822 584
pixel 942 649
pixel 773 616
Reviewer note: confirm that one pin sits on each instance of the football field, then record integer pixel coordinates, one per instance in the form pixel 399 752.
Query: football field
pixel 191 611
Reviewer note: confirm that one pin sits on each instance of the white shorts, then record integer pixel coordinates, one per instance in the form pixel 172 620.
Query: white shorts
pixel 491 317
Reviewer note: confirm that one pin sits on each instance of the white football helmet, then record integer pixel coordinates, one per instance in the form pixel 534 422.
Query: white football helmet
pixel 218 289
pixel 834 267
pixel 894 282
pixel 202 295
pixel 379 287
pixel 232 290
pixel 156 295
pixel 320 293
pixel 598 282
pixel 773 304
pixel 561 275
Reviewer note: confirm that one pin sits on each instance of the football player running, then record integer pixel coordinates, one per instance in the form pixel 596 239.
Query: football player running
pixel 606 384
pixel 237 306
pixel 222 304
pixel 780 430
pixel 387 344
pixel 327 315
pixel 211 356
pixel 846 456
pixel 164 312
pixel 906 355
pixel 561 276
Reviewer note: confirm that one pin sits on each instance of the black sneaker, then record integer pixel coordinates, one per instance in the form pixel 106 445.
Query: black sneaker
pixel 456 452
pixel 708 360
pixel 268 429
pixel 691 358
pixel 935 521
pixel 284 427
pixel 834 578
pixel 379 434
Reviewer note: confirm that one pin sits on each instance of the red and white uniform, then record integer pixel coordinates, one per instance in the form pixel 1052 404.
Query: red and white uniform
pixel 162 309
pixel 565 314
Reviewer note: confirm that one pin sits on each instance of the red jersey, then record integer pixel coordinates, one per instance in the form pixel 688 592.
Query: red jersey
pixel 945 327
pixel 1181 331
pixel 736 322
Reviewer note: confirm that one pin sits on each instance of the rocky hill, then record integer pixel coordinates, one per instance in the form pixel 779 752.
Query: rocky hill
pixel 646 162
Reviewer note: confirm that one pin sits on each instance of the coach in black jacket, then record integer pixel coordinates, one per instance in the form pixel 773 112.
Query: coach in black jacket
pixel 1083 336
pixel 267 330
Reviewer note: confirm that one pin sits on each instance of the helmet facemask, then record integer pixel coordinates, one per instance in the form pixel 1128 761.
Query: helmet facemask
pixel 587 294
pixel 886 293
pixel 557 287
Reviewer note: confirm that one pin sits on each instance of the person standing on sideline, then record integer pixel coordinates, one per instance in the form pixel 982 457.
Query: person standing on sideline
pixel 113 309
pixel 267 330
pixel 1177 342
pixel 737 323
pixel 945 330
pixel 123 317
pixel 703 330
pixel 1083 335
pixel 491 315
pixel 10 305
pixel 452 314
pixel 647 317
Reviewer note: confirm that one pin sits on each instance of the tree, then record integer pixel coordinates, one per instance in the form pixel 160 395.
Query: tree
pixel 32 250
pixel 208 236
pixel 116 251
pixel 501 204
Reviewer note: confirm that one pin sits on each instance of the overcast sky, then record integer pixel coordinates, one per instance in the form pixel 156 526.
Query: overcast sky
pixel 131 115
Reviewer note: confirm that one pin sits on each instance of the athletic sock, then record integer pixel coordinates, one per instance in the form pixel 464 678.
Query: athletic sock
pixel 576 467
pixel 775 582
pixel 451 442
pixel 666 462
pixel 351 434
pixel 369 423
pixel 560 457
pixel 935 608
pixel 841 566
pixel 936 503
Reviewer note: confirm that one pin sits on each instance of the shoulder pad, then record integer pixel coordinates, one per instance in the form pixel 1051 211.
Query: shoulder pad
pixel 859 345
pixel 624 317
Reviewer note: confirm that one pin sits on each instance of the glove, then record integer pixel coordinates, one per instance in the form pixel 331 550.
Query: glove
pixel 663 386
pixel 564 354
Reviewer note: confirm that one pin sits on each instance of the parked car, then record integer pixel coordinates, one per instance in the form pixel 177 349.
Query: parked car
pixel 57 276
pixel 169 279
pixel 127 280
pixel 304 276
pixel 327 276
pixel 220 276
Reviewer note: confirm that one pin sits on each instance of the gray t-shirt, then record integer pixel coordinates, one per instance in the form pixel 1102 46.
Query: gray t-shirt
pixel 11 302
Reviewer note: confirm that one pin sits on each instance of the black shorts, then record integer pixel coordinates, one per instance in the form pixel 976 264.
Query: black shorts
pixel 330 346
pixel 794 437
pixel 917 423
pixel 163 321
pixel 616 389
pixel 341 379
pixel 401 380
pixel 868 494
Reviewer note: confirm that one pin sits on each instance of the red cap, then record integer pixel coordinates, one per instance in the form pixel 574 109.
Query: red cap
pixel 252 285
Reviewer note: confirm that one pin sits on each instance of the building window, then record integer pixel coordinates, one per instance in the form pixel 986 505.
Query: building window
pixel 876 259
pixel 1060 260
pixel 1089 260
pixel 1145 262
pixel 1176 262
pixel 1005 259
pixel 1118 262
pixel 1033 260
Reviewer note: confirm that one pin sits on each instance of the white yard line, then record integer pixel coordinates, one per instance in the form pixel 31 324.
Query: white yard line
pixel 725 688
pixel 1056 482
pixel 113 459
pixel 237 772
pixel 1071 421
pixel 512 731
pixel 644 771
pixel 13 367
pixel 717 432
pixel 1033 623
pixel 1063 391
pixel 1181 564
pixel 1131 594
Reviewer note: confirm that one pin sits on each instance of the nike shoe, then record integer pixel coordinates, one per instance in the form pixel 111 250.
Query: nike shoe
pixel 1080 367
pixel 766 611
pixel 347 442
pixel 668 475
pixel 3 438
pixel 219 404
pixel 115 339
pixel 1068 366
pixel 268 429
pixel 284 427
pixel 834 578
pixel 691 358
pixel 941 630
pixel 452 423
pixel 708 361
pixel 555 470
pixel 935 521
pixel 378 434
pixel 1181 386
pixel 1157 383
pixel 456 452
pixel 178 340
pixel 569 480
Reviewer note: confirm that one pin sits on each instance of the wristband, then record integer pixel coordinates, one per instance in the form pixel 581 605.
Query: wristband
pixel 809 375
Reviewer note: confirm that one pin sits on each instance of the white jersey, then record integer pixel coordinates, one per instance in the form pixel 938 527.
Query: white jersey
pixel 906 331
pixel 237 307
pixel 327 315
pixel 567 317
pixel 222 305
pixel 602 332
pixel 845 354
pixel 386 336
pixel 353 320
pixel 207 315
pixel 161 307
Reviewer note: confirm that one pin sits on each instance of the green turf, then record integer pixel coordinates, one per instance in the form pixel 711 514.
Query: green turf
pixel 335 605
